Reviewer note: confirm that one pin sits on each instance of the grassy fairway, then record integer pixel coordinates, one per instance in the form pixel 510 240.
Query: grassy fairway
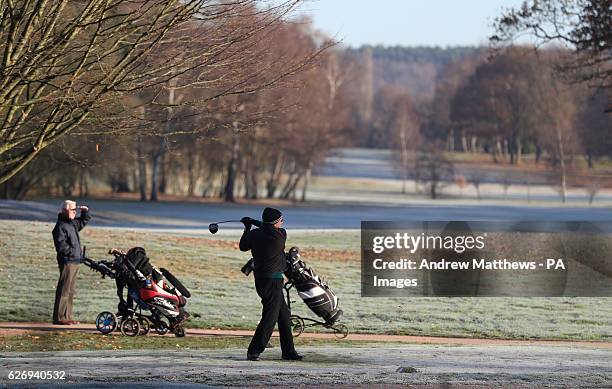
pixel 224 298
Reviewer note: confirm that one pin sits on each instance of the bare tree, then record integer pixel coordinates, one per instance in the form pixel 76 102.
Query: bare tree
pixel 592 189
pixel 555 109
pixel 582 25
pixel 335 69
pixel 434 170
pixel 506 183
pixel 476 179
pixel 405 135
pixel 494 103
pixel 66 64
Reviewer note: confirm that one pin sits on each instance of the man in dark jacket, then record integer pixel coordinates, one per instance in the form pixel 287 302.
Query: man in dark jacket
pixel 69 254
pixel 267 245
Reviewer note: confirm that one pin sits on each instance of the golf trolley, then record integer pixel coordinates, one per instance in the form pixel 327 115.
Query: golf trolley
pixel 299 323
pixel 149 289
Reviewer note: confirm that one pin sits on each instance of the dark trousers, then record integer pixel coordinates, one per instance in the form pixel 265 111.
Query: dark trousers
pixel 274 309
pixel 64 292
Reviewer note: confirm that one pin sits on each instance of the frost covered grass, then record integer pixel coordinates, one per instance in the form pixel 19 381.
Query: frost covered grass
pixel 224 298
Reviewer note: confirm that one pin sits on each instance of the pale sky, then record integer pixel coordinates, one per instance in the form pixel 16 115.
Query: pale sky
pixel 407 22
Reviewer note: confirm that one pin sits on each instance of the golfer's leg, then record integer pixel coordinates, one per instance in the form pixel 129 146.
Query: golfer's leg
pixel 73 270
pixel 284 324
pixel 269 315
pixel 58 293
pixel 62 309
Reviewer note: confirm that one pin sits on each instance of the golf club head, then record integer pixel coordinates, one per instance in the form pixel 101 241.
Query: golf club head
pixel 213 228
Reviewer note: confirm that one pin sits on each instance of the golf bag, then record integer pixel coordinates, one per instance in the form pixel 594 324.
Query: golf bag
pixel 311 288
pixel 147 288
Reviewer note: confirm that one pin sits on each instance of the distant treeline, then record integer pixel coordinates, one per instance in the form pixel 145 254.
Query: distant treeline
pixel 438 56
pixel 254 116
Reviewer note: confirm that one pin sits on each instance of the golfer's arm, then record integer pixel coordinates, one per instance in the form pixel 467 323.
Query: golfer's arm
pixel 245 241
pixel 83 219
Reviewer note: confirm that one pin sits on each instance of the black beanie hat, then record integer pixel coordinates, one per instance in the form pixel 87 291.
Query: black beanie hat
pixel 271 215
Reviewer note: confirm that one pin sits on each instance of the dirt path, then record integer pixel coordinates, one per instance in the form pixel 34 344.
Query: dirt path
pixel 411 364
pixel 15 328
pixel 398 360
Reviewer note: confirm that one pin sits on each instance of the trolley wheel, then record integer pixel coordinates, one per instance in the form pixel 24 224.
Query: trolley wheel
pixel 106 322
pixel 130 327
pixel 161 328
pixel 145 325
pixel 297 325
pixel 179 331
pixel 341 331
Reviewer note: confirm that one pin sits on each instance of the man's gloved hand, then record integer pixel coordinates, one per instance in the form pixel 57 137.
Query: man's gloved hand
pixel 248 222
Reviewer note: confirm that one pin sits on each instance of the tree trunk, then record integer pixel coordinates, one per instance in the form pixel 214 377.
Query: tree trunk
pixel 254 180
pixel 163 169
pixel 505 150
pixel 291 186
pixel 228 193
pixel 404 145
pixel 562 162
pixel 83 185
pixel 250 179
pixel 252 167
pixel 274 178
pixel 498 150
pixel 306 181
pixel 191 169
pixel 247 183
pixel 208 184
pixel 155 169
pixel 538 153
pixel 159 157
pixel 142 169
pixel 464 142
pixel 528 186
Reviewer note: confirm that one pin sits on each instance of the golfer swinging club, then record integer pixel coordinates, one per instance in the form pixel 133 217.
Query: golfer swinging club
pixel 267 245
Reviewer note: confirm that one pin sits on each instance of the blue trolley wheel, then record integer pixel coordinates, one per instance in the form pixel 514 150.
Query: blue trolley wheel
pixel 106 322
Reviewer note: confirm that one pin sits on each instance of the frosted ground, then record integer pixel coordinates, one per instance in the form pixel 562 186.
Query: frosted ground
pixel 176 235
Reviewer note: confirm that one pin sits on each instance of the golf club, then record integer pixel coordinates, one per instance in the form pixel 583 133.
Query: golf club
pixel 214 227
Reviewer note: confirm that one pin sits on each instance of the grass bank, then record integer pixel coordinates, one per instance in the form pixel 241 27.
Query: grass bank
pixel 74 341
pixel 224 298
